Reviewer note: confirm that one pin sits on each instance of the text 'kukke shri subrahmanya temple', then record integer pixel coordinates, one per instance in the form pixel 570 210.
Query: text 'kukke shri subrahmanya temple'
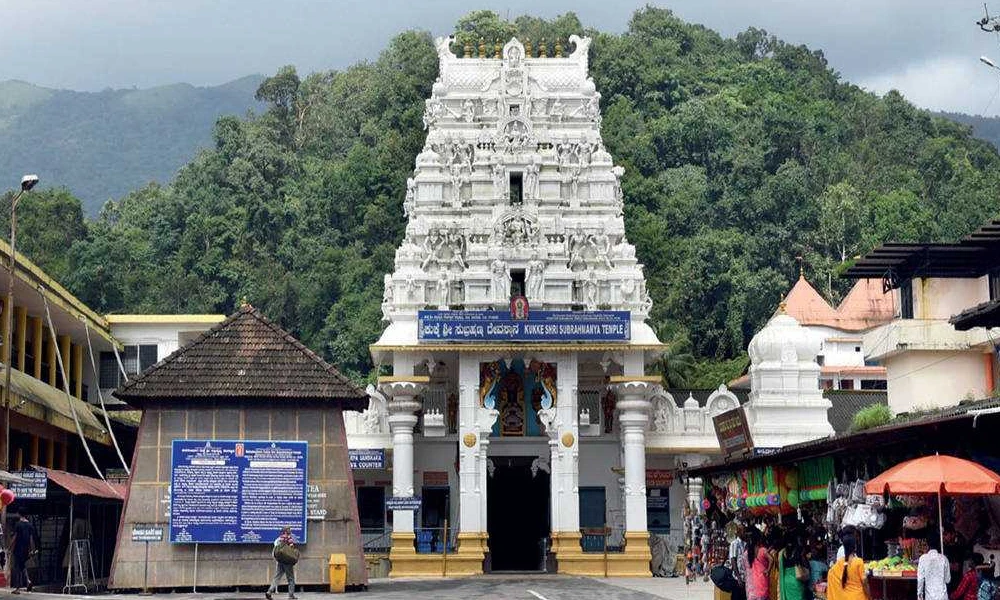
pixel 526 434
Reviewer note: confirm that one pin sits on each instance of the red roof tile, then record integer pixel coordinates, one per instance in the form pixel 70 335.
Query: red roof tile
pixel 806 305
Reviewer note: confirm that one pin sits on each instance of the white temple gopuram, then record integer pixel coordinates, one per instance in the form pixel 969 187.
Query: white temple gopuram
pixel 531 428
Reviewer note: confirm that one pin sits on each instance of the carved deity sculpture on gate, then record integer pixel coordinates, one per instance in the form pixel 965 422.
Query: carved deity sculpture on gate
pixel 499 173
pixel 387 294
pixel 534 278
pixel 531 179
pixel 500 284
pixel 444 290
pixel 409 203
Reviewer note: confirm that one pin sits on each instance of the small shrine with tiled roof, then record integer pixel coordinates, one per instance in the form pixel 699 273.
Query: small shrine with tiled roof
pixel 249 384
pixel 245 357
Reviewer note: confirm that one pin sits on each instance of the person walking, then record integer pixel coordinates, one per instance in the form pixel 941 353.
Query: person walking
pixel 21 548
pixel 793 572
pixel 758 566
pixel 933 573
pixel 846 579
pixel 968 587
pixel 285 556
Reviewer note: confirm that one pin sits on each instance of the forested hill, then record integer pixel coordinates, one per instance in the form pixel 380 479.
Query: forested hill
pixel 102 145
pixel 739 153
pixel 984 128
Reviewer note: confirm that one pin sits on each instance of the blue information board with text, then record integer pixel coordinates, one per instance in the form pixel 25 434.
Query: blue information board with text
pixel 540 326
pixel 237 492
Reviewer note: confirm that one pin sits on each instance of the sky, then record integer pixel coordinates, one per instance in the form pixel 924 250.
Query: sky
pixel 927 49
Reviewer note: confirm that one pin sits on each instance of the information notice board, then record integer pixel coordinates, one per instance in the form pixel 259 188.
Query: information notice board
pixel 237 492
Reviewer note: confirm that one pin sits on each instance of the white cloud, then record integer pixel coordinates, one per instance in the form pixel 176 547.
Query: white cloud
pixel 952 83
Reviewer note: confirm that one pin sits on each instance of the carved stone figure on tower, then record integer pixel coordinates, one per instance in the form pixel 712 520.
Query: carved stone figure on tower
pixel 535 278
pixel 499 173
pixel 432 112
pixel 618 171
pixel 411 196
pixel 602 246
pixel 457 180
pixel 500 284
pixel 661 414
pixel 590 290
pixel 558 111
pixel 387 294
pixel 531 179
pixel 468 110
pixel 593 108
pixel 444 290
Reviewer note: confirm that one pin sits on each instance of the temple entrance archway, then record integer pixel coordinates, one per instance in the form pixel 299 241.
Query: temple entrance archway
pixel 517 514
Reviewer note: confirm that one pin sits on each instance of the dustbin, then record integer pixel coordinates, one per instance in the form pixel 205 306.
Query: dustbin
pixel 338 573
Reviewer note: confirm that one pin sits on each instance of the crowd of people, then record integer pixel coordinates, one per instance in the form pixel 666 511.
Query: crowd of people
pixel 786 564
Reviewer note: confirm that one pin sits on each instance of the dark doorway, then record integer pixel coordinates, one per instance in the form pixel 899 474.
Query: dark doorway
pixel 517 514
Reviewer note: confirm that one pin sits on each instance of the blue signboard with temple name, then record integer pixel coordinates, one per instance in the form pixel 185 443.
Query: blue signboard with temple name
pixel 540 326
pixel 237 492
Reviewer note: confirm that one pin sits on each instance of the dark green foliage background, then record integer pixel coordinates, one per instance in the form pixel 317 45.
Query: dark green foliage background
pixel 740 154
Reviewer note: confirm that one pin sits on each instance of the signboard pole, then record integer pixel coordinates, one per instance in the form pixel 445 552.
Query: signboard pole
pixel 145 573
pixel 194 587
pixel 444 554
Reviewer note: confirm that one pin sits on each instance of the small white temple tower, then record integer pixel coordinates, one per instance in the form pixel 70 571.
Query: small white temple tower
pixel 786 403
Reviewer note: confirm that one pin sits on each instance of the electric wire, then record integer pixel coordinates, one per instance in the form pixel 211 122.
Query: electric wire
pixel 121 367
pixel 69 397
pixel 100 398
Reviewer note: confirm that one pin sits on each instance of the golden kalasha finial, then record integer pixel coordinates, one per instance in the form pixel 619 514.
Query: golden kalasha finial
pixel 482 48
pixel 527 47
pixel 467 50
pixel 802 272
pixel 244 302
pixel 558 48
pixel 496 49
pixel 782 305
pixel 542 49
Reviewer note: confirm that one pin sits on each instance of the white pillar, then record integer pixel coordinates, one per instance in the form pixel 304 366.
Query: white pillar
pixel 633 416
pixel 403 406
pixel 563 428
pixel 474 426
pixel 562 424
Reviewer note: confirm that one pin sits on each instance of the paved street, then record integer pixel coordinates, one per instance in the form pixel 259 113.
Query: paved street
pixel 496 587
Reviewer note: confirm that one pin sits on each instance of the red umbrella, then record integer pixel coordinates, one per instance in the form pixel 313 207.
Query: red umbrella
pixel 936 475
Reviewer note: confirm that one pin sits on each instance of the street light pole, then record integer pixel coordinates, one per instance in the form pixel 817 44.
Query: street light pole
pixel 27 182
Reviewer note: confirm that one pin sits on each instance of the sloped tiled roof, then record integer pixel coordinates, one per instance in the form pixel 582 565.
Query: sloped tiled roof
pixel 847 403
pixel 865 306
pixel 805 304
pixel 245 357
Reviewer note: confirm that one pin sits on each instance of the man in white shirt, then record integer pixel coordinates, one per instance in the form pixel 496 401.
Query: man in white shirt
pixel 736 549
pixel 933 574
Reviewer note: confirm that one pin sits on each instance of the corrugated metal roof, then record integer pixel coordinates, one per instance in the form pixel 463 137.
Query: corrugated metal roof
pixel 870 438
pixel 986 314
pixel 972 256
pixel 81 485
